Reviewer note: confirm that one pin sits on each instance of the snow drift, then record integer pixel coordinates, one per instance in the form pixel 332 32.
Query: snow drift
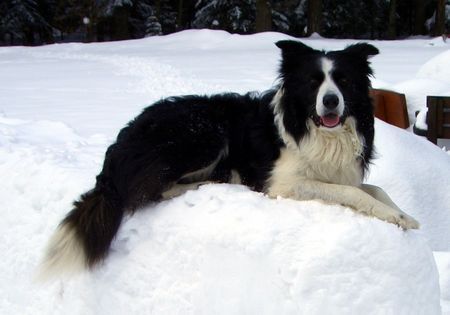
pixel 416 175
pixel 433 78
pixel 226 250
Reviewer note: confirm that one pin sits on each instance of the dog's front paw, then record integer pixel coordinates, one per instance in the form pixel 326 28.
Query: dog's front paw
pixel 404 221
pixel 407 222
pixel 395 216
pixel 288 194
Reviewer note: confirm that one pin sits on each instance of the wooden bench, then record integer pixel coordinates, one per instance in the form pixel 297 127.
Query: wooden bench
pixel 390 107
pixel 438 118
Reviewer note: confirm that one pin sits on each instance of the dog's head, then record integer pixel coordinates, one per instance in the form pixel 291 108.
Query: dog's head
pixel 326 87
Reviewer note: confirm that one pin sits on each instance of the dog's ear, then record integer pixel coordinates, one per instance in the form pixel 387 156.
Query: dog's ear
pixel 362 49
pixel 293 48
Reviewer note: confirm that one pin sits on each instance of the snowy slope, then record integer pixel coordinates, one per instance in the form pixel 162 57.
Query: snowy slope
pixel 226 250
pixel 222 249
pixel 416 174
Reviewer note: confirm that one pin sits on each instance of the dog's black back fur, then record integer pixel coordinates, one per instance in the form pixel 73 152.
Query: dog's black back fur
pixel 181 135
pixel 171 138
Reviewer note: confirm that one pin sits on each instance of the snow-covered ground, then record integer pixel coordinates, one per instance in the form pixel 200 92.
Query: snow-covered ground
pixel 222 249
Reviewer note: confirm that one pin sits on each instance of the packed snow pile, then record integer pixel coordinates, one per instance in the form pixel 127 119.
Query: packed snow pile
pixel 226 250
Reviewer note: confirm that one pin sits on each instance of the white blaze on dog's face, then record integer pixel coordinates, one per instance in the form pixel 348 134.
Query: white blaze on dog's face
pixel 330 104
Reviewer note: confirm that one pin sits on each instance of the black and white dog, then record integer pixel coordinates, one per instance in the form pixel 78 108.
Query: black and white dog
pixel 309 138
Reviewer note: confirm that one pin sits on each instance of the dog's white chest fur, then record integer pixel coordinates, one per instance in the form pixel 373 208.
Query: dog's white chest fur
pixel 322 155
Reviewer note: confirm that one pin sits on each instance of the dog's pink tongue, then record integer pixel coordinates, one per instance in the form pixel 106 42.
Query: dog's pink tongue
pixel 330 120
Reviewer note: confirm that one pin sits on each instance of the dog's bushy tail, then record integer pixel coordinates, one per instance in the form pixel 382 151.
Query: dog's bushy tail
pixel 83 238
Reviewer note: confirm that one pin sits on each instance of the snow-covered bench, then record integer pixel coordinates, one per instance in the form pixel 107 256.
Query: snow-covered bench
pixel 433 122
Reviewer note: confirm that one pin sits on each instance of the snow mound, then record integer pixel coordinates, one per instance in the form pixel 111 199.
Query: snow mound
pixel 437 68
pixel 443 265
pixel 227 250
pixel 417 90
pixel 416 175
pixel 433 78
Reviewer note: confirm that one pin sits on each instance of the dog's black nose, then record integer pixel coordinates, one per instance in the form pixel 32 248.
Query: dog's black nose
pixel 330 101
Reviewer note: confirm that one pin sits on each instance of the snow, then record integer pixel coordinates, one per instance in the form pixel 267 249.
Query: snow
pixel 437 68
pixel 222 249
pixel 425 197
pixel 238 248
pixel 421 119
pixel 433 78
pixel 417 90
pixel 443 265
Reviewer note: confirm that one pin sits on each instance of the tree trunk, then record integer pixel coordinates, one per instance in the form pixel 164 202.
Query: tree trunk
pixel 263 22
pixel 120 29
pixel 180 15
pixel 439 25
pixel 419 17
pixel 372 9
pixel 392 30
pixel 314 16
pixel 158 9
pixel 29 37
pixel 91 26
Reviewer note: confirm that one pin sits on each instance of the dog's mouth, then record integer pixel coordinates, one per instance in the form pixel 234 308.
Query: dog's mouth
pixel 328 121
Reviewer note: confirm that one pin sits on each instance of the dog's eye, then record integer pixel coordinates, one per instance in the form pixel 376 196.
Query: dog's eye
pixel 343 81
pixel 314 82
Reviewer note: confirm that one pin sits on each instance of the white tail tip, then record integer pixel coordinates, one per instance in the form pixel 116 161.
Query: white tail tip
pixel 64 255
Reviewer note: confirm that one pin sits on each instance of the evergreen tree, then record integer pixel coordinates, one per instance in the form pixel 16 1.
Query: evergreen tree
pixel 144 19
pixel 231 15
pixel 167 15
pixel 152 26
pixel 22 23
pixel 118 13
pixel 353 18
pixel 289 16
pixel 68 17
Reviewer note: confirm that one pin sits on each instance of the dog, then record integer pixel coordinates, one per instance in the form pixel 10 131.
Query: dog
pixel 310 137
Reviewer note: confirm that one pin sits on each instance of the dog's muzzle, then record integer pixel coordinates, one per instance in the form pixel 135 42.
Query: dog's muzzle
pixel 330 116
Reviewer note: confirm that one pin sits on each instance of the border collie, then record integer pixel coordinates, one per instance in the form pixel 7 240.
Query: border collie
pixel 311 137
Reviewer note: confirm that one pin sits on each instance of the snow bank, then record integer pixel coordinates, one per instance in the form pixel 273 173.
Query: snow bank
pixel 227 250
pixel 437 68
pixel 416 175
pixel 433 78
pixel 443 265
pixel 416 92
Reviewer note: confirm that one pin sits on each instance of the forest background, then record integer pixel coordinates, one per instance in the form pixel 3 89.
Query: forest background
pixel 37 22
